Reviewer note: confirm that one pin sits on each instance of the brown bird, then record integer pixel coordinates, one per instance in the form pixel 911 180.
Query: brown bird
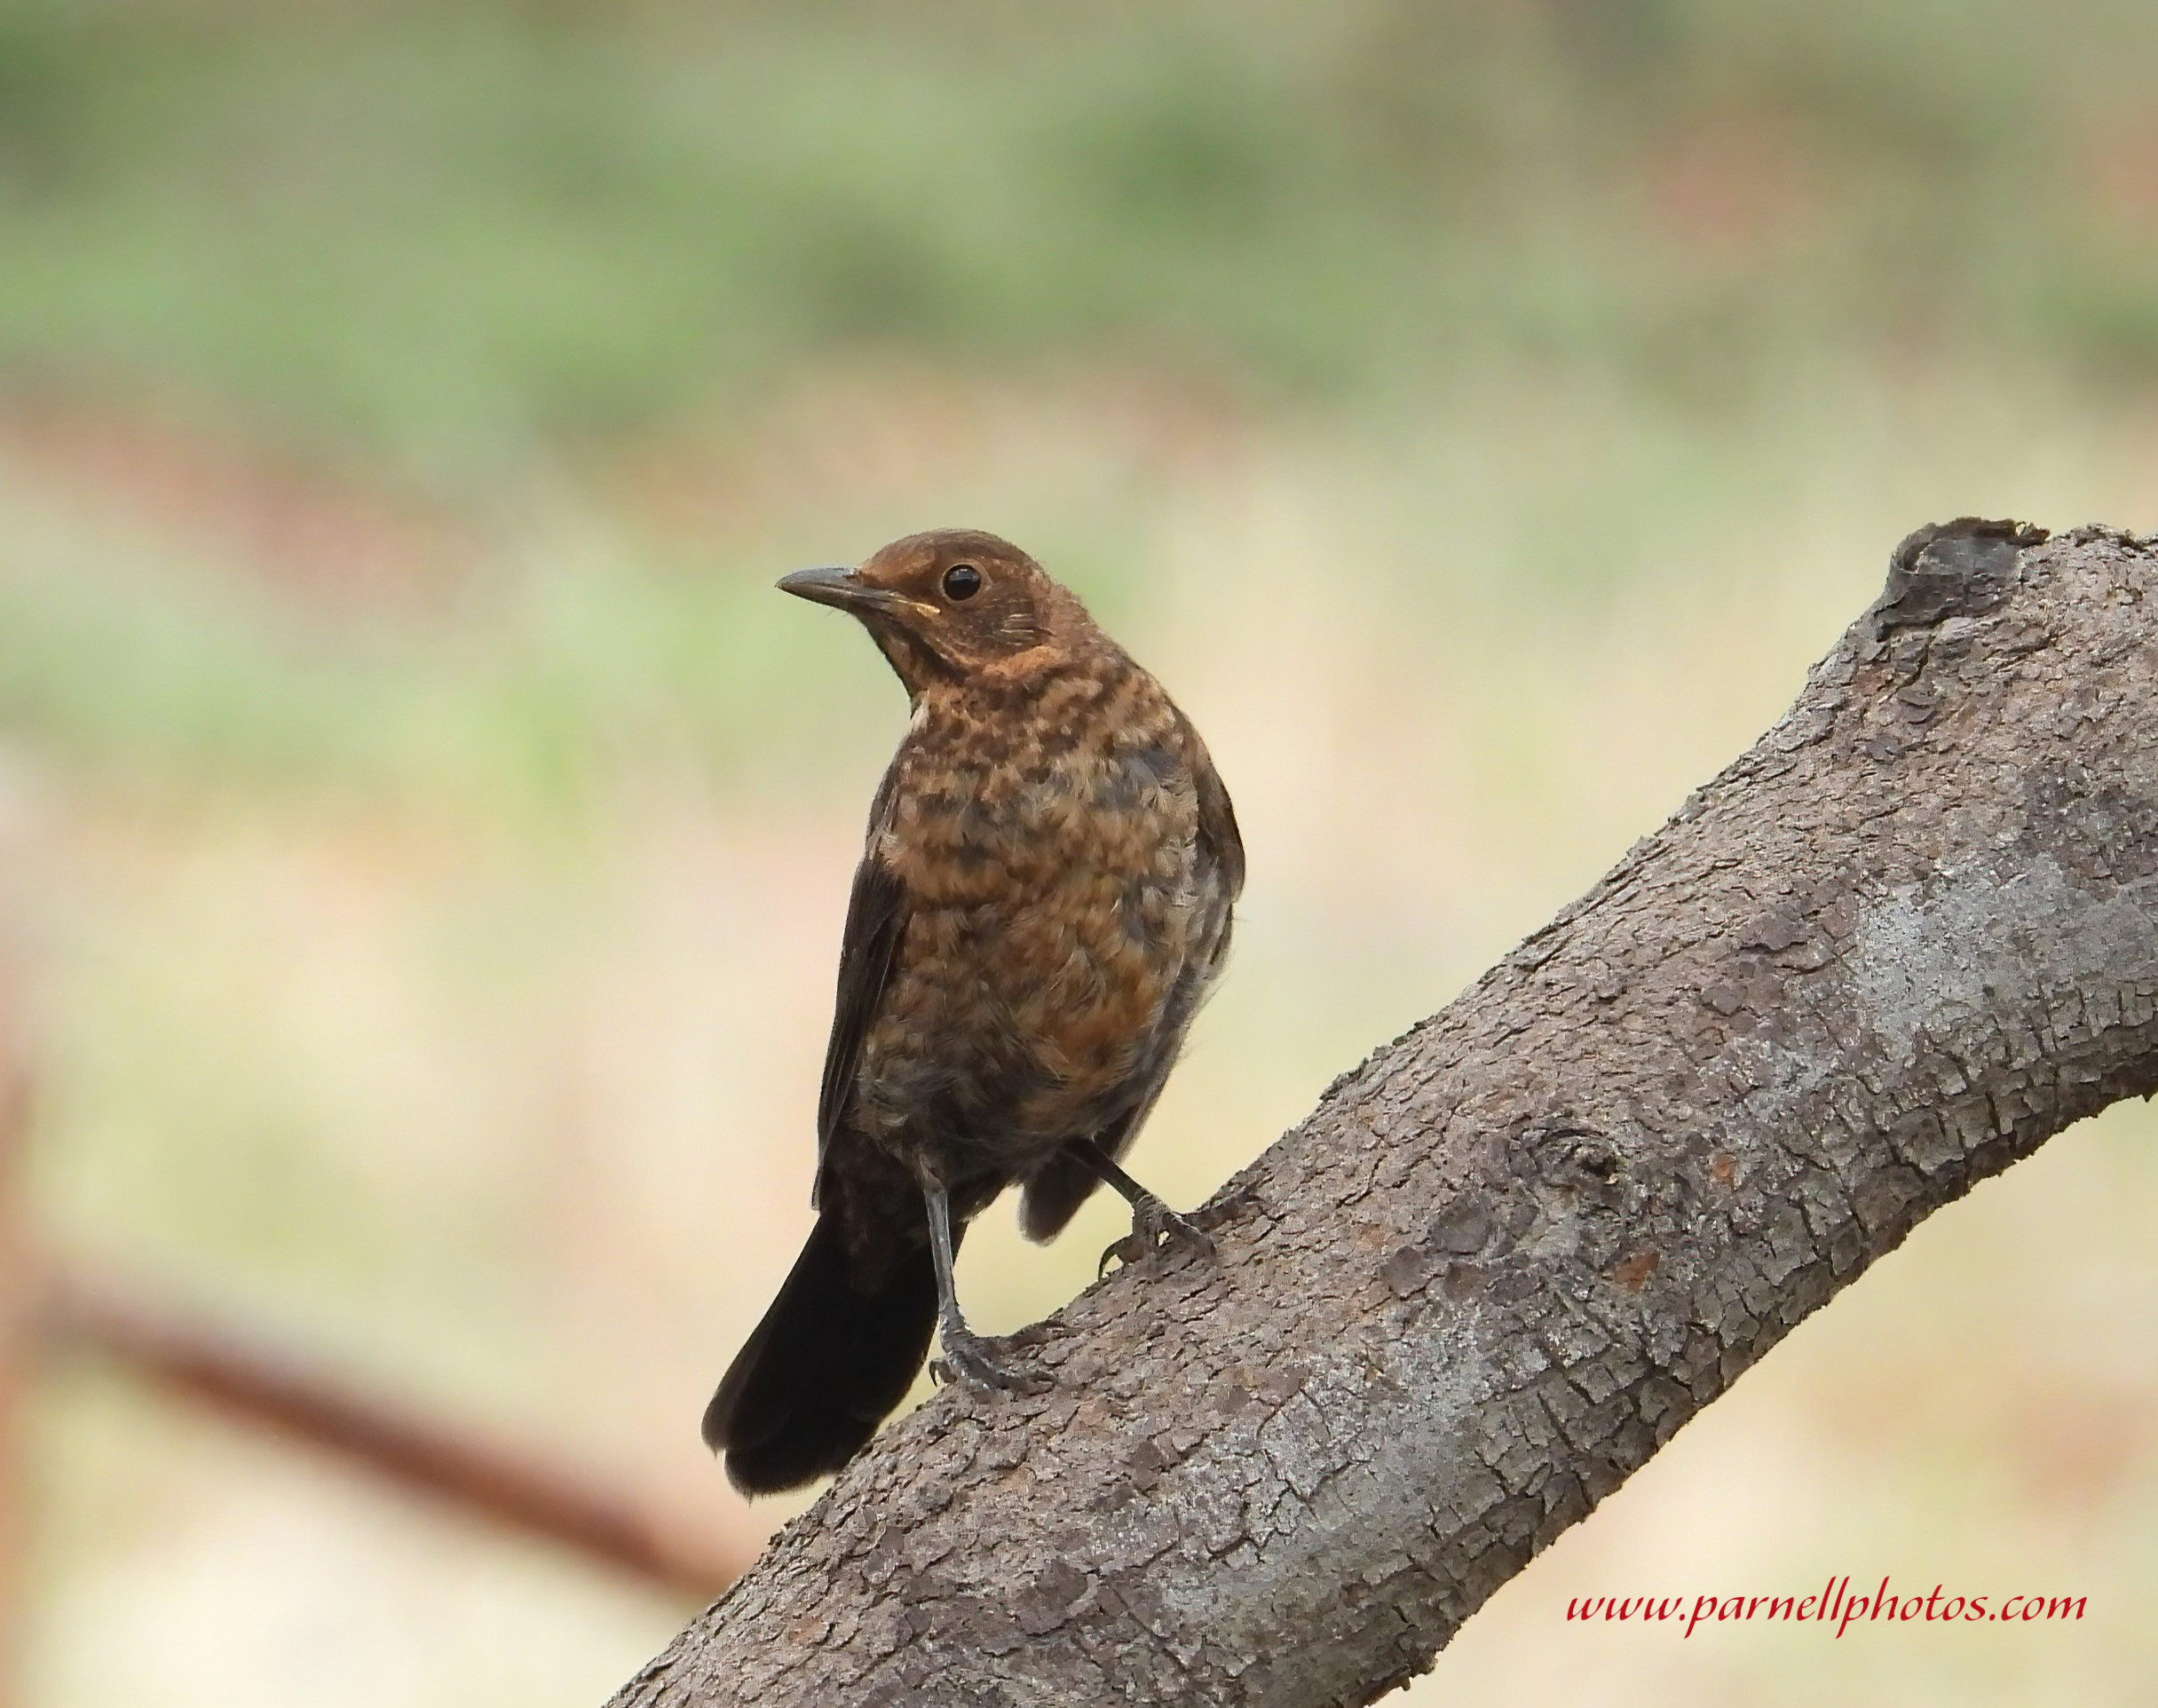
pixel 1043 901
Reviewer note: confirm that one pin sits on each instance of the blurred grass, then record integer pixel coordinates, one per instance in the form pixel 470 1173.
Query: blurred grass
pixel 434 234
pixel 424 833
pixel 444 247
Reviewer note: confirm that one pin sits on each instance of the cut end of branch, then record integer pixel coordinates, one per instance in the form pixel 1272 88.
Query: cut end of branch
pixel 1952 569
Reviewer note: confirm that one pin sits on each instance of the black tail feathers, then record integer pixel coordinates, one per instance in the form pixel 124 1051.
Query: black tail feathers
pixel 826 1366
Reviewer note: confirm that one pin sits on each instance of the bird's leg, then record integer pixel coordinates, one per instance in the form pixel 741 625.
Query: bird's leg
pixel 967 1356
pixel 1154 1224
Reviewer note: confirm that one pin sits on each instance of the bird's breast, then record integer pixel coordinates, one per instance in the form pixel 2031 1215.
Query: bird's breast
pixel 1054 899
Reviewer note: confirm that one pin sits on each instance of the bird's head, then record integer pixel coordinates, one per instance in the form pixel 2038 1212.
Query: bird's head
pixel 951 605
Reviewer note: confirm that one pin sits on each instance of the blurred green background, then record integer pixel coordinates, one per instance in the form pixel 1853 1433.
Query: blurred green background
pixel 423 834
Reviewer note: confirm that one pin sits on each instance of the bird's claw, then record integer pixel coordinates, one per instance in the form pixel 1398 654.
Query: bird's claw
pixel 1156 1227
pixel 979 1362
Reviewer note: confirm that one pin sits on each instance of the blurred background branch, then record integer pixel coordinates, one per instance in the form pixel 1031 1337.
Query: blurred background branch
pixel 50 1310
pixel 235 1376
pixel 424 835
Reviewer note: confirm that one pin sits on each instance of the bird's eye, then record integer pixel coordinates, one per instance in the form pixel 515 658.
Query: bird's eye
pixel 962 581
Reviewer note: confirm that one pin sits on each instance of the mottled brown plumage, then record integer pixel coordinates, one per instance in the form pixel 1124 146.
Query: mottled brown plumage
pixel 1044 898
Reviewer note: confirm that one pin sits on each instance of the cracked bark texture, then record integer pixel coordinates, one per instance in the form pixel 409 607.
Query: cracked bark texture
pixel 1905 939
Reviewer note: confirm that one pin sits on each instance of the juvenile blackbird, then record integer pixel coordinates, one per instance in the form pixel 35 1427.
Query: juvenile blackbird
pixel 1044 899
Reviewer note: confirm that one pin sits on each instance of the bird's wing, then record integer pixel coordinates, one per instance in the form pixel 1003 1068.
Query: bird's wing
pixel 1219 839
pixel 869 946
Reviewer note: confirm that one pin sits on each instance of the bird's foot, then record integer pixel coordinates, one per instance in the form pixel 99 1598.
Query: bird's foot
pixel 1156 1227
pixel 981 1361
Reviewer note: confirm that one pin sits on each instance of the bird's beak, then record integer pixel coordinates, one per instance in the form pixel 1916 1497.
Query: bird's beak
pixel 837 585
pixel 834 584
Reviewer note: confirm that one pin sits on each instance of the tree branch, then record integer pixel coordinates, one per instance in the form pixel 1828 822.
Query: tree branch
pixel 1895 947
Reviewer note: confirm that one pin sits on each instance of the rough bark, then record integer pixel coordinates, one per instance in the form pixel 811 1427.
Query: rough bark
pixel 1904 940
